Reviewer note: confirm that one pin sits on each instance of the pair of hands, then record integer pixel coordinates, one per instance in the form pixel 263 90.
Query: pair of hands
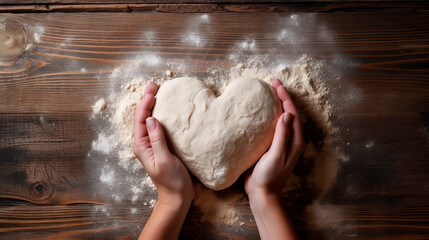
pixel 263 182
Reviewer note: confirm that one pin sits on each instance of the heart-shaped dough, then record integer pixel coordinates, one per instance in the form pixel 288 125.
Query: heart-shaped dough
pixel 217 138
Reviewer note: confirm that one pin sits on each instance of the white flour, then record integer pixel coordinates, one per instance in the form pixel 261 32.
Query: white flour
pixel 324 215
pixel 217 210
pixel 194 36
pixel 302 76
pixel 99 106
pixel 38 31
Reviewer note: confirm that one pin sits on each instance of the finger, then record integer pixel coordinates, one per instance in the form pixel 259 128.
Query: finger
pixel 296 138
pixel 289 106
pixel 287 102
pixel 281 135
pixel 296 145
pixel 283 94
pixel 144 110
pixel 157 140
pixel 249 172
pixel 276 82
pixel 151 88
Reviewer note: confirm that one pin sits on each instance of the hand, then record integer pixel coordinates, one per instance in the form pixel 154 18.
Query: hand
pixel 271 171
pixel 264 183
pixel 172 180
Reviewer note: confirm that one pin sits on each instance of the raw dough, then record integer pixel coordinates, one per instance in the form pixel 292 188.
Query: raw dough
pixel 217 138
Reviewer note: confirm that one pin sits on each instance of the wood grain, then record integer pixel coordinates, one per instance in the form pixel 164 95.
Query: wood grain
pixel 381 6
pixel 179 1
pixel 47 185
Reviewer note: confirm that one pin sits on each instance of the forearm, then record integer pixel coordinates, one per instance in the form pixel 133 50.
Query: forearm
pixel 271 218
pixel 165 221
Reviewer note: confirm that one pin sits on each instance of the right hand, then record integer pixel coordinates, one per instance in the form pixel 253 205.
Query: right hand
pixel 269 175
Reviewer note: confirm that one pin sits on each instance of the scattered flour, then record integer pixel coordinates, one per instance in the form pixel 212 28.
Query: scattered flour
pixel 133 210
pixel 194 35
pixel 65 42
pixel 107 176
pixel 288 36
pixel 302 77
pixel 369 144
pixel 37 33
pixel 28 47
pixel 303 81
pixel 247 44
pixel 149 37
pixel 205 18
pixel 214 209
pixel 104 144
pixel 194 39
pixel 324 215
pixel 152 203
pixel 99 106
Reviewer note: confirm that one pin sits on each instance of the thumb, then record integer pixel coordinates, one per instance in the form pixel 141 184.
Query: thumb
pixel 281 134
pixel 157 139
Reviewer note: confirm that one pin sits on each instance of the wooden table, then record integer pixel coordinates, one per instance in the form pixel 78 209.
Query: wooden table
pixel 47 191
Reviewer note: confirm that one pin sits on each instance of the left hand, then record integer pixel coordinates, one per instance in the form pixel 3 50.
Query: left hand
pixel 170 176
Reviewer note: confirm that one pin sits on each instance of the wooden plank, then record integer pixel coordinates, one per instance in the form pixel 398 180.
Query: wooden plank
pixel 23 2
pixel 41 150
pixel 395 60
pixel 119 221
pixel 45 132
pixel 221 7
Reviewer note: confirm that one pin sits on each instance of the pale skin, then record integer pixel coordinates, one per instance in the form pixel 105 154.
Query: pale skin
pixel 263 183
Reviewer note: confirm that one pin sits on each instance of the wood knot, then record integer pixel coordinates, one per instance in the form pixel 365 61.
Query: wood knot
pixel 13 40
pixel 40 191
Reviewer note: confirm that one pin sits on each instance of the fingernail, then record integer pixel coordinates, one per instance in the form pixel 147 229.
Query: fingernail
pixel 152 86
pixel 149 95
pixel 287 117
pixel 150 123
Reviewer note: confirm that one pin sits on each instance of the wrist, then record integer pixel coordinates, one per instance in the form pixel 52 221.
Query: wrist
pixel 270 216
pixel 263 199
pixel 179 200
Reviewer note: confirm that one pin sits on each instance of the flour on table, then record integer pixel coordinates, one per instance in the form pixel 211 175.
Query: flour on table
pixel 302 78
pixel 369 144
pixel 104 144
pixel 216 210
pixel 99 106
pixel 247 44
pixel 38 31
pixel 107 176
pixel 197 26
pixel 324 215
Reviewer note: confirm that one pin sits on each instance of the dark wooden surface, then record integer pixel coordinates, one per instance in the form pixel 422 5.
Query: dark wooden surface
pixel 46 190
pixel 217 6
pixel 183 1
